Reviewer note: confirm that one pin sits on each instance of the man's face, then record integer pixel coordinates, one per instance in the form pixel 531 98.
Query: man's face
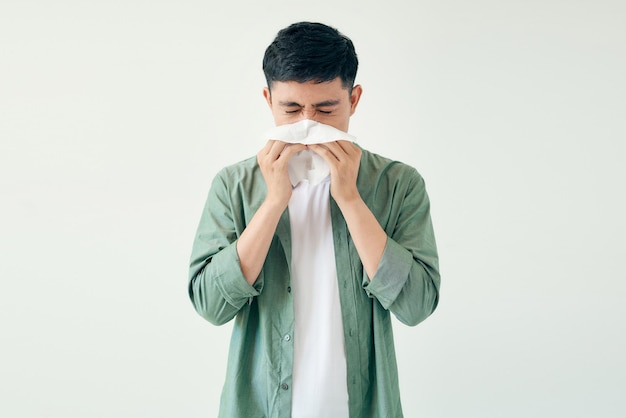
pixel 327 102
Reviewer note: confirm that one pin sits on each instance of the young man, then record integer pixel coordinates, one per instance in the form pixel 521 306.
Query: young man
pixel 311 272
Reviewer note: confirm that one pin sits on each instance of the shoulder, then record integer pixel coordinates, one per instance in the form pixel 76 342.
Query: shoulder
pixel 245 173
pixel 242 180
pixel 389 188
pixel 238 171
pixel 376 168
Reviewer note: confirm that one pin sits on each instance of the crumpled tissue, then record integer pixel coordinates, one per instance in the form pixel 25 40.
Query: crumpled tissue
pixel 307 165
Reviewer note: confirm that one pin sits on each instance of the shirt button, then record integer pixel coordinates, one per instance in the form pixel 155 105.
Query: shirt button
pixel 284 386
pixel 289 289
pixel 287 337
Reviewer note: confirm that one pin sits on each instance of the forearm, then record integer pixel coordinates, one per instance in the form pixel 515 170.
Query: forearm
pixel 407 280
pixel 217 289
pixel 407 286
pixel 255 240
pixel 368 236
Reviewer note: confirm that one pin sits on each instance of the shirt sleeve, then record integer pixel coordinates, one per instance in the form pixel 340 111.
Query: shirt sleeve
pixel 407 280
pixel 217 286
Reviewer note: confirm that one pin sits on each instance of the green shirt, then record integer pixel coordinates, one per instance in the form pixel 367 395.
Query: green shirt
pixel 260 360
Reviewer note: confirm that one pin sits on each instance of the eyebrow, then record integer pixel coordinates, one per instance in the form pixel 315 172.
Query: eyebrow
pixel 326 103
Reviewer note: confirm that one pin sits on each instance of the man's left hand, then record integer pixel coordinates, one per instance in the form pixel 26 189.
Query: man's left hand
pixel 343 158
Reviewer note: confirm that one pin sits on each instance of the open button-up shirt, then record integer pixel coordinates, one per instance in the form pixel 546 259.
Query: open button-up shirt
pixel 260 360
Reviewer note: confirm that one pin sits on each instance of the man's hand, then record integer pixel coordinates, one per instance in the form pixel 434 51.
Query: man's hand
pixel 273 159
pixel 254 242
pixel 369 238
pixel 344 159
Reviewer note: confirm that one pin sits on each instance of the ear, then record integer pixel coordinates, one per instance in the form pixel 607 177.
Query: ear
pixel 355 97
pixel 268 96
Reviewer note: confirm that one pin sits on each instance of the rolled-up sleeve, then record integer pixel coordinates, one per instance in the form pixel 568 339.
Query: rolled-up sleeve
pixel 217 286
pixel 407 280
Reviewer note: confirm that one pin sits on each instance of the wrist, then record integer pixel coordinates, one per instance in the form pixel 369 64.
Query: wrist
pixel 349 201
pixel 346 195
pixel 274 205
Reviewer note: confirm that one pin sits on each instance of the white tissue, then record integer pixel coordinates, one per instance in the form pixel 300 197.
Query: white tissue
pixel 307 132
pixel 307 165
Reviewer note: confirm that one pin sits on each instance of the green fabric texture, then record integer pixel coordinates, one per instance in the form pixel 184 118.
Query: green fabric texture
pixel 260 361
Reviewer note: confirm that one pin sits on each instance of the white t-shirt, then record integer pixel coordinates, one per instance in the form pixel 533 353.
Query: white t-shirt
pixel 319 372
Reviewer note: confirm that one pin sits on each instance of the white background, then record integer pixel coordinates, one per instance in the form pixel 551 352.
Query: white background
pixel 115 116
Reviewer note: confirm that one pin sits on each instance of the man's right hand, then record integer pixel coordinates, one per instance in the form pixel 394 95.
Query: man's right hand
pixel 254 242
pixel 273 160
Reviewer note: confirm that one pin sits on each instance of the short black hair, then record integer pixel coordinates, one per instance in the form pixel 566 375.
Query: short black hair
pixel 307 51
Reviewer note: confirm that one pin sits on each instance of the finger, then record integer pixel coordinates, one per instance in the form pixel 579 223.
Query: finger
pixel 290 150
pixel 345 151
pixel 323 151
pixel 266 148
pixel 276 148
pixel 335 149
pixel 347 146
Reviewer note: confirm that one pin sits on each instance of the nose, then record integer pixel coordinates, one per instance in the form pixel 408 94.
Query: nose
pixel 310 113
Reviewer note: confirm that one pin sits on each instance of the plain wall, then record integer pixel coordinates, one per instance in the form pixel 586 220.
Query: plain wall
pixel 115 116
